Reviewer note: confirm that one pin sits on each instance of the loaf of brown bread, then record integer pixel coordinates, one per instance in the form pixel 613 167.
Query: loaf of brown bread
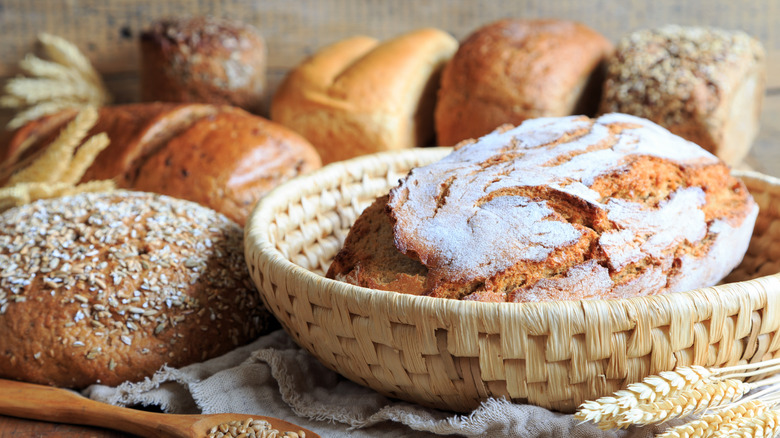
pixel 703 84
pixel 557 208
pixel 219 156
pixel 109 287
pixel 516 69
pixel 203 60
pixel 360 95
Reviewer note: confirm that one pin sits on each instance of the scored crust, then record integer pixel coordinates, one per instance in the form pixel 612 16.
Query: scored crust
pixel 109 287
pixel 558 208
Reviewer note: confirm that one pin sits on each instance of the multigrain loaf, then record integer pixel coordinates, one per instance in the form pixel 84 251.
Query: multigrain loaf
pixel 516 69
pixel 203 60
pixel 360 95
pixel 219 156
pixel 557 208
pixel 703 84
pixel 110 287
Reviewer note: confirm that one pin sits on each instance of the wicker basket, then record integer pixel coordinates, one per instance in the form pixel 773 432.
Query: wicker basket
pixel 453 354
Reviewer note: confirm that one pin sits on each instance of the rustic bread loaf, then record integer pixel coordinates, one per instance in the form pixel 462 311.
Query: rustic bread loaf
pixel 512 70
pixel 557 208
pixel 219 156
pixel 203 60
pixel 110 287
pixel 360 96
pixel 705 85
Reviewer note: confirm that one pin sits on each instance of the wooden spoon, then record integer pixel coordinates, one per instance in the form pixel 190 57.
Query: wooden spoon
pixel 46 403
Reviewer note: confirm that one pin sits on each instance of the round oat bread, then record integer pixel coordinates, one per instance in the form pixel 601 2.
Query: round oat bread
pixel 556 209
pixel 106 288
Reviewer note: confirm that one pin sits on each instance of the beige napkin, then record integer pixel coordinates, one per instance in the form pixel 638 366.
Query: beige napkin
pixel 274 377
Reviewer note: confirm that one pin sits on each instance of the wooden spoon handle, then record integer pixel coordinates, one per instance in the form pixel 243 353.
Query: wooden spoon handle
pixel 46 403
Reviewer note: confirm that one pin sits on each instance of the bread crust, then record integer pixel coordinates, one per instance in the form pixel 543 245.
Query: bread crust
pixel 106 288
pixel 515 69
pixel 360 96
pixel 203 60
pixel 220 156
pixel 703 84
pixel 556 209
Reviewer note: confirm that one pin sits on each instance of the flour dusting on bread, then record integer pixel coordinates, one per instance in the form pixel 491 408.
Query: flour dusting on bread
pixel 561 208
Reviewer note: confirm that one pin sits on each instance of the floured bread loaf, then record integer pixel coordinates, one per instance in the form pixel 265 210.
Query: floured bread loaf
pixel 705 85
pixel 557 208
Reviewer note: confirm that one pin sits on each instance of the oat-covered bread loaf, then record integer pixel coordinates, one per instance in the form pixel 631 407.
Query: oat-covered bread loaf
pixel 109 287
pixel 203 60
pixel 703 84
pixel 515 69
pixel 360 95
pixel 219 156
pixel 557 208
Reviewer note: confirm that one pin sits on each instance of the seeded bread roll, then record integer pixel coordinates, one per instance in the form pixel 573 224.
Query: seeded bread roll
pixel 219 156
pixel 706 85
pixel 513 70
pixel 360 96
pixel 203 60
pixel 109 287
pixel 556 209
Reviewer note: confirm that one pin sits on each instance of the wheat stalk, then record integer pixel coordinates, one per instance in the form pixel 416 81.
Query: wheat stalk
pixel 707 425
pixel 607 410
pixel 55 160
pixel 715 392
pixel 686 402
pixel 763 424
pixel 67 81
pixel 84 157
pixel 58 170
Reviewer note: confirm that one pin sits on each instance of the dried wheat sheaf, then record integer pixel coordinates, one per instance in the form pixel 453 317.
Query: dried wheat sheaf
pixel 58 170
pixel 718 394
pixel 66 80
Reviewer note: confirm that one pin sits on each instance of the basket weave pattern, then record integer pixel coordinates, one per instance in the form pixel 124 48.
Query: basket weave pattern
pixel 453 354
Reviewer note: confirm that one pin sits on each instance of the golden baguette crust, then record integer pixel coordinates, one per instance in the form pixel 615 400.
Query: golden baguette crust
pixel 515 69
pixel 360 96
pixel 557 208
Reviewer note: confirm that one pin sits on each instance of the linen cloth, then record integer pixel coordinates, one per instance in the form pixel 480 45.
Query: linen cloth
pixel 274 377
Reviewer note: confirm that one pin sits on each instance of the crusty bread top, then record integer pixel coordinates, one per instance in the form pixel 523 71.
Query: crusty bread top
pixel 218 155
pixel 664 74
pixel 110 286
pixel 362 74
pixel 515 69
pixel 360 96
pixel 519 206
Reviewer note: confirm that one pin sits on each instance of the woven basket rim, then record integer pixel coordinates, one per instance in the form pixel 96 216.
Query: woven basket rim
pixel 256 236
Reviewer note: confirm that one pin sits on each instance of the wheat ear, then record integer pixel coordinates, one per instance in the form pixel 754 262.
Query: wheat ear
pixel 708 424
pixel 764 424
pixel 606 410
pixel 55 160
pixel 686 402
